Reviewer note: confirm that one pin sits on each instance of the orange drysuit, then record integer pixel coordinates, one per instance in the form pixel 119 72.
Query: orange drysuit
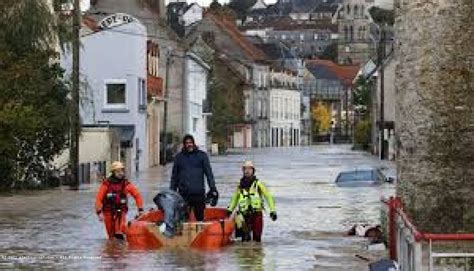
pixel 111 201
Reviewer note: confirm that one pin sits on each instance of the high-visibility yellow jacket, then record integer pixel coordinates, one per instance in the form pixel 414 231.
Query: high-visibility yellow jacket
pixel 251 199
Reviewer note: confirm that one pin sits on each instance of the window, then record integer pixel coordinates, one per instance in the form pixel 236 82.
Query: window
pixel 302 37
pixel 115 94
pixel 247 106
pixel 259 108
pixel 195 123
pixel 141 94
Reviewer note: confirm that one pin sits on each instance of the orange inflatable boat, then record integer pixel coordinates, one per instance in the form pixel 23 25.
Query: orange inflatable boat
pixel 213 233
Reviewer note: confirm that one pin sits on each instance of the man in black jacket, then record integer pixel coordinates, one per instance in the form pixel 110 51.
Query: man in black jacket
pixel 189 168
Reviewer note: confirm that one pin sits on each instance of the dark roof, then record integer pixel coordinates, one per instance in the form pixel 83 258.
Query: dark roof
pixel 325 7
pixel 285 23
pixel 322 72
pixel 307 6
pixel 231 29
pixel 275 51
pixel 303 6
pixel 326 69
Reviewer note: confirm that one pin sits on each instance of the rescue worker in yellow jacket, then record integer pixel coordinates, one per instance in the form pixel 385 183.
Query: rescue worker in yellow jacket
pixel 249 201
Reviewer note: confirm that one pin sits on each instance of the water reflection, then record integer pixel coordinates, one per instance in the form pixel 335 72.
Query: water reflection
pixel 250 256
pixel 309 234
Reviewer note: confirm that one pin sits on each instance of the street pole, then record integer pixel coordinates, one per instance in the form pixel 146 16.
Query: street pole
pixel 347 112
pixel 165 117
pixel 75 118
pixel 381 58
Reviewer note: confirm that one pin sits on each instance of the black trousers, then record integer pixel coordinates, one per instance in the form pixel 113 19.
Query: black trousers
pixel 197 204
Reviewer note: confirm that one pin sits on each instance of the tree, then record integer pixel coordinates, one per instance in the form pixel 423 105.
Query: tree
pixel 34 108
pixel 321 118
pixel 215 6
pixel 330 53
pixel 227 102
pixel 224 12
pixel 382 16
pixel 362 98
pixel 241 7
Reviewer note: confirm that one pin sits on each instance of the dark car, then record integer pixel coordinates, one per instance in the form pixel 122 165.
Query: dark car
pixel 362 177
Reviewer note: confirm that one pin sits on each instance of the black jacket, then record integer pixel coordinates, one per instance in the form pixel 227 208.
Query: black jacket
pixel 188 173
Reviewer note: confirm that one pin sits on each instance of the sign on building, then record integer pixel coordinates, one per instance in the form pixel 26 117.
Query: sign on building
pixel 116 20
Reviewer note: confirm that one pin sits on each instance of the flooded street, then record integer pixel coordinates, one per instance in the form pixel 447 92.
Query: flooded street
pixel 59 229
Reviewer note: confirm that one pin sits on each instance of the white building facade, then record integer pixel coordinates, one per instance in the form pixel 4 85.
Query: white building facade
pixel 285 109
pixel 275 108
pixel 192 14
pixel 196 85
pixel 113 68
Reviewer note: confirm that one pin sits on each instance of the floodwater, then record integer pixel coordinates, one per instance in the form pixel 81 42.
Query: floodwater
pixel 58 229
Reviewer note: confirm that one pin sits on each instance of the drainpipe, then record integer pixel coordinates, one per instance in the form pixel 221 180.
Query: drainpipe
pixel 166 100
pixel 186 96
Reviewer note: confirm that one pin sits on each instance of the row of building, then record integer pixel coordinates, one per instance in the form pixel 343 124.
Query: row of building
pixel 143 87
pixel 149 75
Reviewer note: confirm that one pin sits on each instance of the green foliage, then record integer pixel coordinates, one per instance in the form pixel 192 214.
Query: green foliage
pixel 227 103
pixel 382 16
pixel 225 11
pixel 321 118
pixel 34 109
pixel 241 7
pixel 362 98
pixel 362 136
pixel 330 53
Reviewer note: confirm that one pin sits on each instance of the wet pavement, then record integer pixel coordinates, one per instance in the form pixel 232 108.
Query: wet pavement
pixel 58 229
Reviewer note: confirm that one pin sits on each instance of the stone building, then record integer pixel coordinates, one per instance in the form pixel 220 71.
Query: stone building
pixel 307 39
pixel 354 22
pixel 435 116
pixel 331 83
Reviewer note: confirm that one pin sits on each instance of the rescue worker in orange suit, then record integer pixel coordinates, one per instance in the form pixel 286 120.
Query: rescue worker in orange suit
pixel 249 201
pixel 111 201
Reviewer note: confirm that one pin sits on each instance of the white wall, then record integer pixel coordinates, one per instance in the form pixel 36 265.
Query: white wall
pixel 196 92
pixel 285 111
pixel 96 145
pixel 115 54
pixel 193 15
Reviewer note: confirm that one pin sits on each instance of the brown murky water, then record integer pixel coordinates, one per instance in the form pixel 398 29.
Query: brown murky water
pixel 59 230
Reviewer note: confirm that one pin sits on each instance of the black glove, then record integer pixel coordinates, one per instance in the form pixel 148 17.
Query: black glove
pixel 274 216
pixel 212 197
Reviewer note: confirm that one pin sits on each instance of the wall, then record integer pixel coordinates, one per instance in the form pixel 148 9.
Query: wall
pixel 193 15
pixel 96 145
pixel 435 113
pixel 354 13
pixel 161 34
pixel 196 93
pixel 101 60
pixel 285 113
pixel 314 41
pixel 153 130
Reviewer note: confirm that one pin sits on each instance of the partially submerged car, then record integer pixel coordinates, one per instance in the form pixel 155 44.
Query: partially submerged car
pixel 362 177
